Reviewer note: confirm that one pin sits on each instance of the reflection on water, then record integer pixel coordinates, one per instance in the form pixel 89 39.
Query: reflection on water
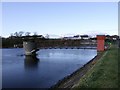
pixel 31 62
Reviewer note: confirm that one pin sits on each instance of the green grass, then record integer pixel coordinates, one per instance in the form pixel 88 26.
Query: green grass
pixel 105 72
pixel 119 66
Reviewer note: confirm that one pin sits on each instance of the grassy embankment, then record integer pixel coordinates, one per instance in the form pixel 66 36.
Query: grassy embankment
pixel 105 72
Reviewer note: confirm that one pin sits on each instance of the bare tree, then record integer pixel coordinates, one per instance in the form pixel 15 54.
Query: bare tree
pixel 11 35
pixel 16 34
pixel 47 36
pixel 27 34
pixel 35 34
pixel 21 33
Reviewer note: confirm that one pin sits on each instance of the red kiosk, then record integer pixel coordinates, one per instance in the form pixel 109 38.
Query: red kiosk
pixel 100 42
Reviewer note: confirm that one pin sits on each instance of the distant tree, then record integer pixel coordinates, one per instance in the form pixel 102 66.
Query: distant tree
pixel 27 34
pixel 35 34
pixel 20 33
pixel 16 34
pixel 47 36
pixel 11 35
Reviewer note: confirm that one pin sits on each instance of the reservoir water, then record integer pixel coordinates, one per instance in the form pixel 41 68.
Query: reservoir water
pixel 50 66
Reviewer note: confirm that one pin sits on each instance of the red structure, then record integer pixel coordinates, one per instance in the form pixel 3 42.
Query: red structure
pixel 100 42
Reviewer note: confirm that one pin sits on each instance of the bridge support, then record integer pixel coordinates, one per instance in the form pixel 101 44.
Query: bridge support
pixel 30 48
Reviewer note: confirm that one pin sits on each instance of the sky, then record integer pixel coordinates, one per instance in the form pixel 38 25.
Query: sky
pixel 60 18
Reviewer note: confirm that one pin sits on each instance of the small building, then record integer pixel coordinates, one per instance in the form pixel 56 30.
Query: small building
pixel 84 37
pixel 100 42
pixel 71 38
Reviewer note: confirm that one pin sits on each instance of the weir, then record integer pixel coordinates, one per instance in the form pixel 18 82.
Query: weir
pixel 31 47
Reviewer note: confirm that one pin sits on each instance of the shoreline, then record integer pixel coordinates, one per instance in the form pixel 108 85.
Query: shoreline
pixel 65 47
pixel 70 80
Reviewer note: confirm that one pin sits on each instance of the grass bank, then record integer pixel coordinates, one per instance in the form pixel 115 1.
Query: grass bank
pixel 104 74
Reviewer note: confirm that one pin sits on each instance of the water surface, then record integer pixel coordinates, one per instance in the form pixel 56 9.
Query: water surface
pixel 42 71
